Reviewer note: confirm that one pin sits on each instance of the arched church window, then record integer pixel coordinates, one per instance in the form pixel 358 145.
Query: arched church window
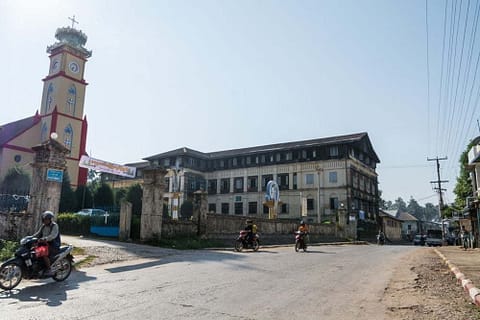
pixel 44 132
pixel 68 137
pixel 71 100
pixel 49 98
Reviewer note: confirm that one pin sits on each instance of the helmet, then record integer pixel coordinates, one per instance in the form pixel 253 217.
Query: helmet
pixel 47 215
pixel 302 222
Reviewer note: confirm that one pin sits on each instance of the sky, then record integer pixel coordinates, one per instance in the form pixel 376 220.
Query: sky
pixel 220 75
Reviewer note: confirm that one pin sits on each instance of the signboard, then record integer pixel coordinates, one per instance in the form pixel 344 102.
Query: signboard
pixel 107 167
pixel 54 175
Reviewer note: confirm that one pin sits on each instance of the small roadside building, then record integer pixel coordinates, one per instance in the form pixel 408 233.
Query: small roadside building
pixel 391 225
pixel 410 225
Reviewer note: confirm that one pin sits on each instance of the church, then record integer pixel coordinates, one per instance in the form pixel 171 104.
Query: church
pixel 61 112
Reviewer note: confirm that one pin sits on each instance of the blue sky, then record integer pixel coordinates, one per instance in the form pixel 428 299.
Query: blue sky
pixel 217 75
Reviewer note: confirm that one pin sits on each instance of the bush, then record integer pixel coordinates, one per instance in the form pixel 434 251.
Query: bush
pixel 73 224
pixel 7 249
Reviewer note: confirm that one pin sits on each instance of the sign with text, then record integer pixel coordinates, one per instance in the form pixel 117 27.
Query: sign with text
pixel 107 167
pixel 54 175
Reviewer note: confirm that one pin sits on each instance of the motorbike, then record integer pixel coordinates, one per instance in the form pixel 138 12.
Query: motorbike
pixel 300 243
pixel 26 265
pixel 242 243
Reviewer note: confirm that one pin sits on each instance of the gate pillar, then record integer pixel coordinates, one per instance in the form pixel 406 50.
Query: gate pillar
pixel 152 203
pixel 46 188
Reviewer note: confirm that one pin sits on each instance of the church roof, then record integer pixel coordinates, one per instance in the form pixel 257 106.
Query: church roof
pixel 11 130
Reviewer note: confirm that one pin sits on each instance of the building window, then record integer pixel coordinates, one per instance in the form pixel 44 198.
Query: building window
pixel 238 185
pixel 252 207
pixel 265 179
pixel 49 98
pixel 212 186
pixel 225 185
pixel 17 158
pixel 294 181
pixel 332 177
pixel 252 184
pixel 262 158
pixel 225 208
pixel 333 203
pixel 265 210
pixel 278 157
pixel 334 151
pixel 212 207
pixel 304 154
pixel 71 100
pixel 284 208
pixel 68 137
pixel 238 207
pixel 288 156
pixel 249 160
pixel 234 162
pixel 309 179
pixel 309 204
pixel 282 180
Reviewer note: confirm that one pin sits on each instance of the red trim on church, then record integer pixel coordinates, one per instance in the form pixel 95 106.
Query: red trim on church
pixel 83 172
pixel 13 147
pixel 63 74
pixel 53 127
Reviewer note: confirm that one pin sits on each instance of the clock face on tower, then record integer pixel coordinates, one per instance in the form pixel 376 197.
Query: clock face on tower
pixel 73 66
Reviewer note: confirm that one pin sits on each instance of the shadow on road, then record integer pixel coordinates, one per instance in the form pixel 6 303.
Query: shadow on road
pixel 50 292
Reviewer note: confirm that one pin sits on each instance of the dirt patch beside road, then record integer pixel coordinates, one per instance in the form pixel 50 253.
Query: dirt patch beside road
pixel 424 288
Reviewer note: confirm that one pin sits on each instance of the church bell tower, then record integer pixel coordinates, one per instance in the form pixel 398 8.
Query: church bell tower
pixel 63 98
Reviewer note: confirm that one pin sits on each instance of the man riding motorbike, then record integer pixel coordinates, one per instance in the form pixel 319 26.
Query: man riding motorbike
pixel 49 233
pixel 251 228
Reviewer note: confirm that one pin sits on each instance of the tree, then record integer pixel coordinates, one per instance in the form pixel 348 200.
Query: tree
pixel 415 209
pixel 16 180
pixel 84 197
pixel 134 196
pixel 431 212
pixel 119 195
pixel 463 188
pixel 399 205
pixel 103 196
pixel 67 198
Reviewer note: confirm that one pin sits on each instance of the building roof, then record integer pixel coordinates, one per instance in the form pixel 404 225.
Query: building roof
pixel 405 216
pixel 11 130
pixel 350 138
pixel 391 214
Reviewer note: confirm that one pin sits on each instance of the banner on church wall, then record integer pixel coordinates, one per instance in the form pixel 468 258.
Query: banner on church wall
pixel 107 167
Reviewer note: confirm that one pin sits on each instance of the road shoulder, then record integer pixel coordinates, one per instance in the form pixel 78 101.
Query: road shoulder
pixel 422 287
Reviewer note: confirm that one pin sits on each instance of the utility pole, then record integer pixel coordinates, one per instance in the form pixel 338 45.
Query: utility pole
pixel 439 190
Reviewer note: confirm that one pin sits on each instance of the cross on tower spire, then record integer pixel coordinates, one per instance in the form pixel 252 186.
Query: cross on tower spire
pixel 73 21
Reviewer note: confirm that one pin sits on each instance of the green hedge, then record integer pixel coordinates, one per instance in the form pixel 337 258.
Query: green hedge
pixel 73 224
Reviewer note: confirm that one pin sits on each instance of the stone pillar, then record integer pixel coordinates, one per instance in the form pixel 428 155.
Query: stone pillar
pixel 152 203
pixel 125 221
pixel 48 168
pixel 200 209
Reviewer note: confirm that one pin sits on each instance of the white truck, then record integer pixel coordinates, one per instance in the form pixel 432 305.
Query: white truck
pixel 434 238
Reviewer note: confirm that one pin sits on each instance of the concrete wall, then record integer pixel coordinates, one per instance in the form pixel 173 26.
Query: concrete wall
pixel 226 228
pixel 14 226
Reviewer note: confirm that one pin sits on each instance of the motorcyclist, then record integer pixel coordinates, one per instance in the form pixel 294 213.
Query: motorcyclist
pixel 303 227
pixel 251 229
pixel 49 233
pixel 381 237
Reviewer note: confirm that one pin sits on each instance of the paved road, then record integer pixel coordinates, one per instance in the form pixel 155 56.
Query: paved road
pixel 328 282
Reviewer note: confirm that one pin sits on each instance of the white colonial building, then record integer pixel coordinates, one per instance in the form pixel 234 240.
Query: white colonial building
pixel 315 178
